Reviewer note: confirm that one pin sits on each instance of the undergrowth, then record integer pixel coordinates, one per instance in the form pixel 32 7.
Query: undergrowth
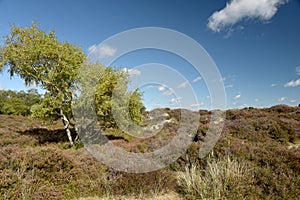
pixel 253 159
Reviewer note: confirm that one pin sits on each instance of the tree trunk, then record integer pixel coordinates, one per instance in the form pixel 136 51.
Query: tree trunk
pixel 66 127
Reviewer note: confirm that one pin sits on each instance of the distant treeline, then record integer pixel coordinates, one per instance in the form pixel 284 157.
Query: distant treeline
pixel 18 103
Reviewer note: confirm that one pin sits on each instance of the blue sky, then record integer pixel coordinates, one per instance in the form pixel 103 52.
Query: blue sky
pixel 255 44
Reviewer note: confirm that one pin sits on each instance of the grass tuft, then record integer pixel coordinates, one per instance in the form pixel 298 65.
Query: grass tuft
pixel 222 178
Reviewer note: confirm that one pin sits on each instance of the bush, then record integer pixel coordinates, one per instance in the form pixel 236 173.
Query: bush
pixel 18 103
pixel 131 184
pixel 48 173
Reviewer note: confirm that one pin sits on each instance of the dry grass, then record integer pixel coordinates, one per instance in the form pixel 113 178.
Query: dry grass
pixel 222 178
pixel 165 196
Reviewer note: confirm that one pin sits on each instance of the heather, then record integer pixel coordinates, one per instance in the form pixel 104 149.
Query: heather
pixel 256 157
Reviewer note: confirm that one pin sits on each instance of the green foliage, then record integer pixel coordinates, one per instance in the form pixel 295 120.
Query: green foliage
pixel 136 107
pixel 18 103
pixel 39 57
pixel 104 91
pixel 48 109
pixel 14 106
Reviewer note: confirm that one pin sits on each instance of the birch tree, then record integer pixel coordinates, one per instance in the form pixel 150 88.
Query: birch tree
pixel 40 58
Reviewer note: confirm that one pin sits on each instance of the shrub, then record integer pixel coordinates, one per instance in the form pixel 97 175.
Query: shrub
pixel 131 184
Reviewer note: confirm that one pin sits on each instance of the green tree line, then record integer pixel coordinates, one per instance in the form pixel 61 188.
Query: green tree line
pixel 18 103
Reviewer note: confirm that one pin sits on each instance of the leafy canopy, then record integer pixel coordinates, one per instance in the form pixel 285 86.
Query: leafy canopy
pixel 104 91
pixel 40 58
pixel 18 103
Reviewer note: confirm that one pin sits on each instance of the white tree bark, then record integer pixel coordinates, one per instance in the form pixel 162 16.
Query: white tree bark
pixel 66 127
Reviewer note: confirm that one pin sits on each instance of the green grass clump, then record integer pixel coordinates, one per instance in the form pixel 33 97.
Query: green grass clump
pixel 221 178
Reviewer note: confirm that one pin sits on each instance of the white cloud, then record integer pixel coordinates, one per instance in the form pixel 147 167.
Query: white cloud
pixel 229 86
pixel 102 51
pixel 183 85
pixel 237 10
pixel 175 100
pixel 298 70
pixel 197 105
pixel 282 99
pixel 256 100
pixel 273 85
pixel 132 72
pixel 293 100
pixel 161 88
pixel 168 92
pixel 293 83
pixel 237 97
pixel 150 87
pixel 197 79
pixel 223 79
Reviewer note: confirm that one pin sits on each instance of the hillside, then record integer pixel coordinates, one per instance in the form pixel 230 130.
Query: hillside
pixel 36 161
